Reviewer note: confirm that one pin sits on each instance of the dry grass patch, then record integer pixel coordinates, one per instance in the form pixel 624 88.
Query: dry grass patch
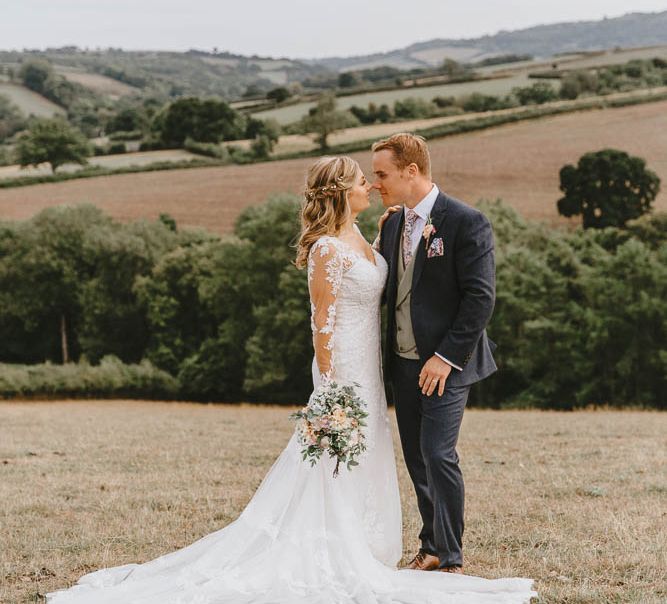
pixel 574 500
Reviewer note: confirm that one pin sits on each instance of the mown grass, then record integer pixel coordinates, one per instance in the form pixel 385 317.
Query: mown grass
pixel 574 500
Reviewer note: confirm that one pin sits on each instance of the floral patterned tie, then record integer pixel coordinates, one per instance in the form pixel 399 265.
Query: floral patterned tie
pixel 410 221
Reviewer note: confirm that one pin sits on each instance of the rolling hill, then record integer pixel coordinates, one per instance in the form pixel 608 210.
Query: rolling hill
pixel 518 162
pixel 115 72
pixel 631 30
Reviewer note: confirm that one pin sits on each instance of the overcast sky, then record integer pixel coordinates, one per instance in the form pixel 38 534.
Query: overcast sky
pixel 291 28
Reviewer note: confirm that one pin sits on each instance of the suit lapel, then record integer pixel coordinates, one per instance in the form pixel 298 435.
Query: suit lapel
pixel 393 241
pixel 438 219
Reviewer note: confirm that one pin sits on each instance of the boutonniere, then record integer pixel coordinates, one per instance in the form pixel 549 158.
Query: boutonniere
pixel 429 229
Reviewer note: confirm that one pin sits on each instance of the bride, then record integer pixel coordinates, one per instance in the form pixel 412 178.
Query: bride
pixel 307 537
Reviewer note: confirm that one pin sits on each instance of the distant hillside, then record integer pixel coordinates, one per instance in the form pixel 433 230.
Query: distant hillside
pixel 113 73
pixel 167 73
pixel 631 30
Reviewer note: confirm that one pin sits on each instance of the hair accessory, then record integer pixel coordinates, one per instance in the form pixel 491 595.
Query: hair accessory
pixel 337 185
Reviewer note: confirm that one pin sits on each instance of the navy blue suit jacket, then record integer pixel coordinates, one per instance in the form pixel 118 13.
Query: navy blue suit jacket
pixel 453 295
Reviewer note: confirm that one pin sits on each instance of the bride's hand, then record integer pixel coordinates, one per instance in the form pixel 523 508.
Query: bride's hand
pixel 388 212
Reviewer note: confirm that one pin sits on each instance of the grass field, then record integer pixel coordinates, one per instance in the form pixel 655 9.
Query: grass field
pixel 517 76
pixel 29 102
pixel 139 158
pixel 97 82
pixel 519 163
pixel 574 500
pixel 612 57
pixel 500 86
pixel 579 60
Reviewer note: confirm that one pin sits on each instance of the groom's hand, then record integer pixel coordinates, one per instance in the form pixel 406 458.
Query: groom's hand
pixel 434 374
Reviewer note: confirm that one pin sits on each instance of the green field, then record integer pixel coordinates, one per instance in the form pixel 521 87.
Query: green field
pixel 497 87
pixel 30 102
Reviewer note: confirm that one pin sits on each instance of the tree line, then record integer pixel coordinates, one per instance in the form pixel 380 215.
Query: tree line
pixel 580 317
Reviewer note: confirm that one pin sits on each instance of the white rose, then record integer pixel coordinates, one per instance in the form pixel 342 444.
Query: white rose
pixel 325 442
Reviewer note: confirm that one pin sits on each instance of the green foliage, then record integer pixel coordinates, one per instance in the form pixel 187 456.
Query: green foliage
pixel 324 119
pixel 538 93
pixel 11 120
pixel 35 74
pixel 413 108
pixel 578 323
pixel 128 119
pixel 453 68
pixel 270 128
pixel 208 121
pixel 110 379
pixel 373 114
pixel 38 75
pixel 501 59
pixel 75 263
pixel 52 141
pixel 279 95
pixel 607 188
pixel 215 150
pixel 477 102
pixel 580 317
pixel 348 79
pixel 577 82
pixel 614 78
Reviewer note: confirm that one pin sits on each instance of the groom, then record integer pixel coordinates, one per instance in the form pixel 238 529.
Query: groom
pixel 440 295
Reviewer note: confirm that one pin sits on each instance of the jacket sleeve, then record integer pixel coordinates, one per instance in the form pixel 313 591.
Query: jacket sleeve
pixel 325 274
pixel 476 274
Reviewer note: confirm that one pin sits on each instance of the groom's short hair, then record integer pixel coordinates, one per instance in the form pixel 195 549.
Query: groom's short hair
pixel 407 149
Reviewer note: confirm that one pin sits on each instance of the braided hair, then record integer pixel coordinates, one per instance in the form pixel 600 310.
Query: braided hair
pixel 325 208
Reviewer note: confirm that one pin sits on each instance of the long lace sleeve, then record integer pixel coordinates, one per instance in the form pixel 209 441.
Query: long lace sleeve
pixel 326 265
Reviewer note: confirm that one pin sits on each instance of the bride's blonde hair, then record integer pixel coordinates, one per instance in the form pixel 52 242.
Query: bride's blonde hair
pixel 325 209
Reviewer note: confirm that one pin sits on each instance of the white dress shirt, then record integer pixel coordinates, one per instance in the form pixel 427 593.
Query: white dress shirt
pixel 423 209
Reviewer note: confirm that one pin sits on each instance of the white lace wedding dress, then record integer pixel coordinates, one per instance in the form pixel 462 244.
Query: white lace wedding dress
pixel 307 537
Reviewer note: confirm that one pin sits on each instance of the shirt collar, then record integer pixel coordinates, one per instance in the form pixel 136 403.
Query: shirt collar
pixel 424 207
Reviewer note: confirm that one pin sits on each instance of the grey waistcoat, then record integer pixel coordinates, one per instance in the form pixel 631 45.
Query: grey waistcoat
pixel 405 337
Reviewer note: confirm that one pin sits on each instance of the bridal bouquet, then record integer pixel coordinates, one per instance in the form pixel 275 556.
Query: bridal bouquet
pixel 332 421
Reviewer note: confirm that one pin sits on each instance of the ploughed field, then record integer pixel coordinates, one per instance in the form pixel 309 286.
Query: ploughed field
pixel 518 163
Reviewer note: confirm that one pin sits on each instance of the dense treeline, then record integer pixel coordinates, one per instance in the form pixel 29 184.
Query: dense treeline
pixel 581 316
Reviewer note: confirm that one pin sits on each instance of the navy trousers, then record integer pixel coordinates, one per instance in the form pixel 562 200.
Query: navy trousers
pixel 429 428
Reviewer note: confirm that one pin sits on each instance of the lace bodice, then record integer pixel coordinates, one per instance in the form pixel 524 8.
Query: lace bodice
pixel 345 291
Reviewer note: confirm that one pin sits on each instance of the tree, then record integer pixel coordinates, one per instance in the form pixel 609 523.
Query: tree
pixel 52 141
pixel 453 68
pixel 538 93
pixel 576 82
pixel 11 120
pixel 608 188
pixel 348 79
pixel 279 95
pixel 324 119
pixel 41 278
pixel 127 120
pixel 34 75
pixel 413 108
pixel 208 121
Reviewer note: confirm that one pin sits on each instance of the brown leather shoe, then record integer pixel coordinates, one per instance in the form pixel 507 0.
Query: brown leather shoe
pixel 424 561
pixel 457 570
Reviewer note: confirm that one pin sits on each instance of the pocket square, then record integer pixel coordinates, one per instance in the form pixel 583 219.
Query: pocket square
pixel 436 248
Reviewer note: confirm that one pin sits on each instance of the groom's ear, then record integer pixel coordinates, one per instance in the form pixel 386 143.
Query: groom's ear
pixel 413 170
